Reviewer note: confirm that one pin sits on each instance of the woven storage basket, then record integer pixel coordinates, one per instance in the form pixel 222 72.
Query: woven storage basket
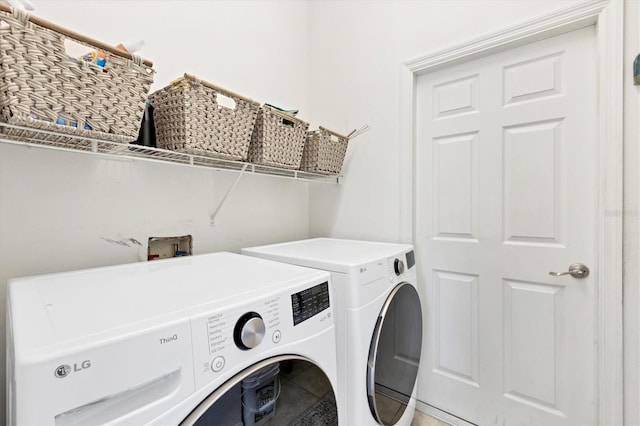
pixel 189 118
pixel 324 152
pixel 278 139
pixel 40 83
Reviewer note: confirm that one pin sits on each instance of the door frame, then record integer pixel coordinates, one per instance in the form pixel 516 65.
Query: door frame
pixel 607 18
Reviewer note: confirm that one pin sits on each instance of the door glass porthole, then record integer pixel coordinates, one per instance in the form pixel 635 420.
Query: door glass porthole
pixel 284 390
pixel 394 355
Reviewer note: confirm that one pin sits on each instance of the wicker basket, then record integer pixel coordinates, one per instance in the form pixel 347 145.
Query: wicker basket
pixel 278 139
pixel 189 117
pixel 324 152
pixel 40 84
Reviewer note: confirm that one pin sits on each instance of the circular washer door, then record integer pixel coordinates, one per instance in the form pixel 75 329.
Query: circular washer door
pixel 394 355
pixel 287 389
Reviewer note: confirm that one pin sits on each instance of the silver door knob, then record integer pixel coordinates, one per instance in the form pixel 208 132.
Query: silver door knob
pixel 576 270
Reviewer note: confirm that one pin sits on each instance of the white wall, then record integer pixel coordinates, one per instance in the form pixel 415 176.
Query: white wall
pixel 255 48
pixel 57 209
pixel 357 54
pixel 358 49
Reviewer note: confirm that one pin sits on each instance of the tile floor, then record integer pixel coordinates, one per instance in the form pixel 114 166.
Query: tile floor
pixel 303 385
pixel 390 409
pixel 421 419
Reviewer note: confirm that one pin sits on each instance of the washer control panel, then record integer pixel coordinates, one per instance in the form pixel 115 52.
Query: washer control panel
pixel 242 328
pixel 229 339
pixel 309 302
pixel 249 331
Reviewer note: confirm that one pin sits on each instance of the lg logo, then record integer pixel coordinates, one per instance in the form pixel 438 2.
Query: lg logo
pixel 64 370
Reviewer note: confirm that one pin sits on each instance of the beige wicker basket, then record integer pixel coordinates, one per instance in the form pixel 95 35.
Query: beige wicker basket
pixel 324 152
pixel 278 139
pixel 40 83
pixel 189 117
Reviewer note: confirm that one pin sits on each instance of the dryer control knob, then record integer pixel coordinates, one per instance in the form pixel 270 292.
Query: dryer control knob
pixel 249 331
pixel 398 266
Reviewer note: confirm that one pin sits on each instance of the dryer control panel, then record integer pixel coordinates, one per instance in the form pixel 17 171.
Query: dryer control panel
pixel 402 263
pixel 411 259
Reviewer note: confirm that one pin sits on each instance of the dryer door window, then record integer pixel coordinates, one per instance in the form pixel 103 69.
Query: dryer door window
pixel 285 389
pixel 394 355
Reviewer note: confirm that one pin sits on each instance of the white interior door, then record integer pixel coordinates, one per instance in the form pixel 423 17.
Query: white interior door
pixel 505 191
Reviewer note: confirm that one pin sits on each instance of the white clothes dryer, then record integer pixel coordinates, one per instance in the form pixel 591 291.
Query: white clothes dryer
pixel 218 339
pixel 378 323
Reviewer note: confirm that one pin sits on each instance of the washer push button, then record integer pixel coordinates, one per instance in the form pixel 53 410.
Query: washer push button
pixel 217 364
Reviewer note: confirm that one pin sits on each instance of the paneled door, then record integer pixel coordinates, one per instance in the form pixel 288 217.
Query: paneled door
pixel 505 192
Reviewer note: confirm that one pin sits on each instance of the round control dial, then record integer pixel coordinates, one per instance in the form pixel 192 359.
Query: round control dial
pixel 249 331
pixel 398 267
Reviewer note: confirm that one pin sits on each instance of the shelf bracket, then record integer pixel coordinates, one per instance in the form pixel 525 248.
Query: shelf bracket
pixel 224 198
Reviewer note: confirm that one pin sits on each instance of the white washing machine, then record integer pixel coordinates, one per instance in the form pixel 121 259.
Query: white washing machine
pixel 216 339
pixel 378 323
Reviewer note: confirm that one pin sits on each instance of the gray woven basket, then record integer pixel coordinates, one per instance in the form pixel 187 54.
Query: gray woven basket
pixel 40 83
pixel 324 152
pixel 278 139
pixel 189 118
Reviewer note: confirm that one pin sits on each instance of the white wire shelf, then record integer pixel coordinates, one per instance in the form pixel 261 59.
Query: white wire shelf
pixel 59 141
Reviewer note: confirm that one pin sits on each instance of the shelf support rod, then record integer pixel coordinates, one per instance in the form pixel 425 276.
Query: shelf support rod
pixel 224 198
